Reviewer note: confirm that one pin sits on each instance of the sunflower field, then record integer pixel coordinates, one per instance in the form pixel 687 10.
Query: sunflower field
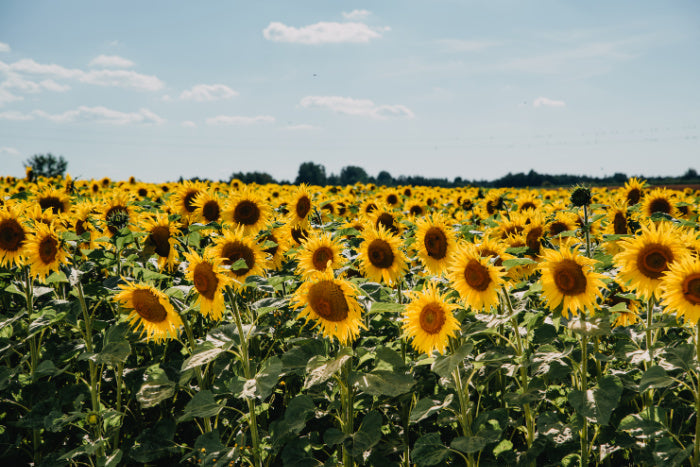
pixel 228 324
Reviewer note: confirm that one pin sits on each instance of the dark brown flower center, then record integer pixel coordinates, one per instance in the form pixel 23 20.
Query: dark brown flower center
pixel 532 239
pixel 633 196
pixel 432 318
pixel 299 235
pixel 370 207
pixel 557 227
pixel 328 301
pixel 691 288
pixel 477 275
pixel 392 199
pixel 159 237
pixel 387 221
pixel 569 277
pixel 416 210
pixel 620 224
pixel 188 200
pixel 233 251
pixel 273 249
pixel 380 254
pixel 660 205
pixel 52 202
pixel 205 280
pixel 527 205
pixel 80 227
pixel 211 211
pixel 12 235
pixel 148 306
pixel 303 207
pixel 654 259
pixel 48 248
pixel 116 213
pixel 487 253
pixel 246 213
pixel 321 257
pixel 435 242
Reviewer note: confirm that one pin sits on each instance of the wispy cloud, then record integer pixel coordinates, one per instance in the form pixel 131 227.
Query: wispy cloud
pixel 323 33
pixel 6 150
pixel 117 78
pixel 239 120
pixel 7 97
pixel 188 124
pixel 17 82
pixel 302 127
pixel 356 107
pixel 208 92
pixel 111 61
pixel 4 47
pixel 84 113
pixel 355 15
pixel 461 45
pixel 546 102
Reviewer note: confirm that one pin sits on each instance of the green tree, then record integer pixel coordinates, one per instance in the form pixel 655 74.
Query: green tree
pixel 311 173
pixel 47 165
pixel 352 174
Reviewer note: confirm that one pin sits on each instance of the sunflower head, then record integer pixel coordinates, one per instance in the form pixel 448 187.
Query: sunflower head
pixel 474 277
pixel 381 257
pixel 150 311
pixel 235 246
pixel 45 251
pixel 209 279
pixel 247 210
pixel 319 253
pixel 429 320
pixel 160 238
pixel 659 200
pixel 681 289
pixel 435 242
pixel 13 237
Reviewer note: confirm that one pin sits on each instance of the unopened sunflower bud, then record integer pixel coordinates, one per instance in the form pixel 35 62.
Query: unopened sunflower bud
pixel 581 197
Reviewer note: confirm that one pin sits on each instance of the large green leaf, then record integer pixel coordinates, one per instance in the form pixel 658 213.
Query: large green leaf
pixel 318 370
pixel 429 450
pixel 426 407
pixel 156 387
pixel 202 355
pixel 383 383
pixel 202 405
pixel 445 365
pixel 598 403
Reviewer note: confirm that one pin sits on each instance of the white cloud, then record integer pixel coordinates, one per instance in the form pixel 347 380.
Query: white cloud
pixel 357 107
pixel 322 33
pixel 239 120
pixel 118 78
pixel 9 151
pixel 301 127
pixel 6 96
pixel 16 81
pixel 111 61
pixel 208 92
pixel 546 102
pixel 354 15
pixel 89 114
pixel 4 47
pixel 188 124
pixel 459 45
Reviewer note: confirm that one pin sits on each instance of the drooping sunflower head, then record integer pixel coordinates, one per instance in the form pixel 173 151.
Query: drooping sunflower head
pixel 318 253
pixel 161 233
pixel 681 289
pixel 45 252
pixel 534 232
pixel 381 257
pixel 645 258
pixel 241 254
pixel 270 242
pixel 248 210
pixel 435 242
pixel 116 213
pixel 300 207
pixel 151 311
pixel 332 303
pixel 659 200
pixel 13 236
pixel 493 203
pixel 568 279
pixel 429 320
pixel 475 278
pixel 210 280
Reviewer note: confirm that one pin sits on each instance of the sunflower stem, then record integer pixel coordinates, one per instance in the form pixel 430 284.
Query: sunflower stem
pixel 649 336
pixel 197 369
pixel 584 387
pixel 33 353
pixel 696 449
pixel 252 420
pixel 586 230
pixel 347 407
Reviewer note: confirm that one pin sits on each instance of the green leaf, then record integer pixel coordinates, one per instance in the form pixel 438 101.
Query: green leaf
pixel 384 307
pixel 654 377
pixel 265 381
pixel 239 265
pixel 318 370
pixel 224 335
pixel 390 356
pixel 598 403
pixel 154 443
pixel 469 445
pixel 113 460
pixel 425 407
pixel 202 405
pixel 445 365
pixel 429 450
pixel 383 383
pixel 368 435
pixel 511 263
pixel 114 353
pixel 12 288
pixel 502 447
pixel 156 387
pixel 56 277
pixel 644 425
pixel 333 436
pixel 203 354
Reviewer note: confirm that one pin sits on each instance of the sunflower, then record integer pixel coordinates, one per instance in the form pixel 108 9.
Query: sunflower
pixel 659 200
pixel 247 210
pixel 384 217
pixel 534 233
pixel 183 199
pixel 53 199
pixel 319 253
pixel 645 258
pixel 207 207
pixel 436 242
pixel 234 246
pixel 381 257
pixel 633 190
pixel 392 199
pixel 81 216
pixel 528 201
pixel 493 203
pixel 44 251
pixel 161 238
pixel 563 221
pixel 210 280
pixel 269 241
pixel 681 289
pixel 151 311
pixel 13 237
pixel 332 303
pixel 474 277
pixel 300 207
pixel 568 279
pixel 116 213
pixel 429 320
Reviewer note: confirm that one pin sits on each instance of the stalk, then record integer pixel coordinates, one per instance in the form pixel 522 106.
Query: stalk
pixel 33 352
pixel 252 421
pixel 348 422
pixel 584 388
pixel 405 406
pixel 464 417
pixel 197 370
pixel 696 449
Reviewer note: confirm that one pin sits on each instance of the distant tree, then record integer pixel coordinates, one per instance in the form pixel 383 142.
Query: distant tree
pixel 619 178
pixel 352 174
pixel 311 173
pixel 261 178
pixel 47 165
pixel 690 174
pixel 385 178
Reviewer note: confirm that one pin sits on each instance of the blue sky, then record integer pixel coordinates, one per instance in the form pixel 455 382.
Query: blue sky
pixel 474 89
